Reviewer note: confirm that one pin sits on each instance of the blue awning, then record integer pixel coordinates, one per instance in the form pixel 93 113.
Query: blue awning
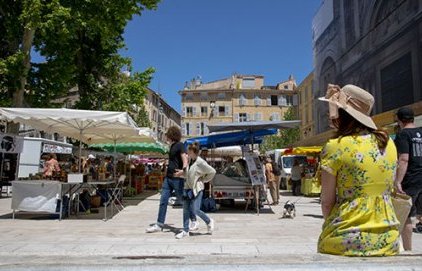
pixel 231 139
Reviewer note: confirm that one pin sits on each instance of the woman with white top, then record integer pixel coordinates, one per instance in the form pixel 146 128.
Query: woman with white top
pixel 197 173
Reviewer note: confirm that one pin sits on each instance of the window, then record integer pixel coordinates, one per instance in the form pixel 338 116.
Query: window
pixel 189 96
pixel 257 100
pixel 221 96
pixel 187 129
pixel 221 110
pixel 289 100
pixel 204 111
pixel 248 83
pixel 286 87
pixel 154 115
pixel 274 100
pixel 258 116
pixel 189 111
pixel 202 128
pixel 397 83
pixel 242 99
pixel 204 96
pixel 243 117
pixel 275 117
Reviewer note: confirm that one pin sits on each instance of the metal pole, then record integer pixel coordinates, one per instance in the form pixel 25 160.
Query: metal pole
pixel 114 161
pixel 80 151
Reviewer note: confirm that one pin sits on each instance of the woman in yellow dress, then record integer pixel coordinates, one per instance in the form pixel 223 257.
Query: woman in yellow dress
pixel 358 170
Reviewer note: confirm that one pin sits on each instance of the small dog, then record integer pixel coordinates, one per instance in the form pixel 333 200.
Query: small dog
pixel 289 210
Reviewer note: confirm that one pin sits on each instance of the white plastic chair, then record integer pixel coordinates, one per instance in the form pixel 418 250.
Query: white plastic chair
pixel 117 194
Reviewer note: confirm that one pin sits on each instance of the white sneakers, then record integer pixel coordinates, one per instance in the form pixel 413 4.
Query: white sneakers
pixel 154 228
pixel 194 226
pixel 182 234
pixel 211 226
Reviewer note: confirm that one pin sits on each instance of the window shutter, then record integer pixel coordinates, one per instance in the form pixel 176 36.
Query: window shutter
pixel 194 111
pixel 206 131
pixel 295 100
pixel 259 116
pixel 269 101
pixel 226 110
pixel 198 128
pixel 184 111
pixel 248 117
pixel 236 117
pixel 183 128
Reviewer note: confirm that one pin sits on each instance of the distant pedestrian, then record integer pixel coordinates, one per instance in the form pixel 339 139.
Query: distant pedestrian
pixel 358 171
pixel 409 173
pixel 173 181
pixel 51 167
pixel 197 174
pixel 271 180
pixel 296 177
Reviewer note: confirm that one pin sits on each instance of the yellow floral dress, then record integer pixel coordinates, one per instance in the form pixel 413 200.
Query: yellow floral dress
pixel 363 221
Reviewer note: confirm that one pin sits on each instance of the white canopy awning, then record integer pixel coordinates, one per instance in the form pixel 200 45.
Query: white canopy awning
pixel 79 124
pixel 85 125
pixel 252 125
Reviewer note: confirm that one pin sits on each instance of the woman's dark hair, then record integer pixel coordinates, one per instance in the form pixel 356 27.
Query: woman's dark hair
pixel 174 134
pixel 347 125
pixel 194 147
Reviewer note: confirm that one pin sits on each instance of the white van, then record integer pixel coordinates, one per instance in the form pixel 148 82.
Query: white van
pixel 285 163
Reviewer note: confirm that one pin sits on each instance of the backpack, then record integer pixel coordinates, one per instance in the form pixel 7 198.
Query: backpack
pixel 276 169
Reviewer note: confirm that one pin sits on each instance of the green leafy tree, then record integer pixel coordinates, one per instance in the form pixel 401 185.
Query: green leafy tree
pixel 286 138
pixel 128 95
pixel 79 42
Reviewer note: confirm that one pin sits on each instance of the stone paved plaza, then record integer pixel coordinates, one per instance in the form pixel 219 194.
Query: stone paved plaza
pixel 240 238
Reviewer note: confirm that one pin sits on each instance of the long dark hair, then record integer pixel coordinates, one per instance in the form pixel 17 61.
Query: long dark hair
pixel 347 125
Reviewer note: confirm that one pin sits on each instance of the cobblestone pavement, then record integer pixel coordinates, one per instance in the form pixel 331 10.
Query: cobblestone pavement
pixel 240 238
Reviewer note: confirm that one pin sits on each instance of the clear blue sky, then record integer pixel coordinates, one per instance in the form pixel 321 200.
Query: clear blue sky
pixel 215 38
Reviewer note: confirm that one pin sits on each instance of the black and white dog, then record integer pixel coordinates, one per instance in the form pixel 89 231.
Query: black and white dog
pixel 289 210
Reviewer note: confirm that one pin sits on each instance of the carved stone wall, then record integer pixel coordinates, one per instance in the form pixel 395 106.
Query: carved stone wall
pixel 363 43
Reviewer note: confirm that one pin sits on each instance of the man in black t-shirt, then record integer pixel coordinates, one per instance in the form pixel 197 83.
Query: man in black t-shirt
pixel 173 180
pixel 409 172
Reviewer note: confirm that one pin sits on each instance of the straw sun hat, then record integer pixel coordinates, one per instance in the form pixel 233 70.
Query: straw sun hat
pixel 352 99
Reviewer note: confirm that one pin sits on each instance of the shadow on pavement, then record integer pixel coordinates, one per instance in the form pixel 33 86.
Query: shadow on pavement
pixel 94 214
pixel 314 216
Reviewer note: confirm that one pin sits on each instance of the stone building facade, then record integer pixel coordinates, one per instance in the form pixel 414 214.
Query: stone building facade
pixel 375 44
pixel 161 114
pixel 239 98
pixel 305 107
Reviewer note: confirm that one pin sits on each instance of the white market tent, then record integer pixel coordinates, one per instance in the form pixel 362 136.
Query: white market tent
pixel 85 125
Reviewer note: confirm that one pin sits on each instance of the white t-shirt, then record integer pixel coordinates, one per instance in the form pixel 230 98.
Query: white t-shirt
pixel 296 173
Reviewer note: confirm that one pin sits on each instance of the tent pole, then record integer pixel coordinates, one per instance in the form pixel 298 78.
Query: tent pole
pixel 80 151
pixel 114 161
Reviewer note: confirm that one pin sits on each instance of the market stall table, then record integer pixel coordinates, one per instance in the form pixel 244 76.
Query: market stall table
pixel 75 188
pixel 45 196
pixel 38 196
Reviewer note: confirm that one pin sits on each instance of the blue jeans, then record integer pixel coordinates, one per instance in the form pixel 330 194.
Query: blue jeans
pixel 193 206
pixel 170 185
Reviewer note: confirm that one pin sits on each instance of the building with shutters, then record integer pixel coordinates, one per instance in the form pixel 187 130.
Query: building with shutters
pixel 238 98
pixel 161 114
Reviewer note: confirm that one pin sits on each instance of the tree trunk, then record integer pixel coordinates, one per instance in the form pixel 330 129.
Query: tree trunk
pixel 18 96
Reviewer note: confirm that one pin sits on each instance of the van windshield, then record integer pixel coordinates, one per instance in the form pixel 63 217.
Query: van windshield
pixel 288 161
